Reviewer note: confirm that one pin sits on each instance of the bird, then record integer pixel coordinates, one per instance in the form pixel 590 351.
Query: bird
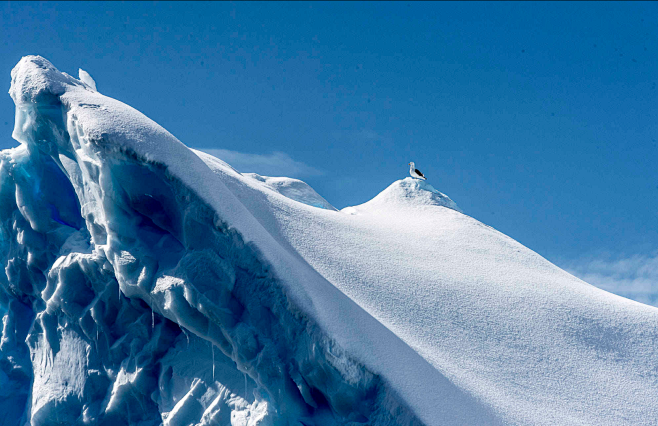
pixel 415 173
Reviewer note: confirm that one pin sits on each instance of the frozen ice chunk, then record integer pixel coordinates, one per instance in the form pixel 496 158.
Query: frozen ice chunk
pixel 86 78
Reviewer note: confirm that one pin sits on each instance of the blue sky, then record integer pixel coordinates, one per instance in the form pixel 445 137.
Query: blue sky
pixel 539 119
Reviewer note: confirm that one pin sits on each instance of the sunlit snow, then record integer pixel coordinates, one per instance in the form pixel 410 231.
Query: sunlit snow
pixel 146 283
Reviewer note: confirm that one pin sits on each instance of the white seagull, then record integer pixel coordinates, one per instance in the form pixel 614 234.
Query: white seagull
pixel 415 173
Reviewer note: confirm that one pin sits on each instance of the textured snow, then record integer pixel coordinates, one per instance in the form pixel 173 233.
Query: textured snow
pixel 146 283
pixel 524 338
pixel 143 247
pixel 409 192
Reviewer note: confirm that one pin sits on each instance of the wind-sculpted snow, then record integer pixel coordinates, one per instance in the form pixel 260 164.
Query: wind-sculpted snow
pixel 522 337
pixel 294 189
pixel 145 283
pixel 130 300
pixel 409 193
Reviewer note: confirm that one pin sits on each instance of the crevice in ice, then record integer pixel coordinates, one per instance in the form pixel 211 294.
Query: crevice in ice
pixel 117 274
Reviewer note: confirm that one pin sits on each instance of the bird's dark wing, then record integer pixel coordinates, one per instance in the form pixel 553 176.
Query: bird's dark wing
pixel 419 173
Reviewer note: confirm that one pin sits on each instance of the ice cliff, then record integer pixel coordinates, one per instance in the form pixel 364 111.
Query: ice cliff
pixel 145 283
pixel 131 300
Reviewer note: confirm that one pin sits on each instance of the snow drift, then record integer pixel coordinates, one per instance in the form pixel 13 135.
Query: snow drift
pixel 294 189
pixel 145 283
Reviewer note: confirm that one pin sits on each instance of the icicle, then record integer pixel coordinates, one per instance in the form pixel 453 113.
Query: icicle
pixel 151 304
pixel 245 386
pixel 213 361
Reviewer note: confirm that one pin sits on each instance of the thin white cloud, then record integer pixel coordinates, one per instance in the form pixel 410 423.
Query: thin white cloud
pixel 274 164
pixel 363 135
pixel 634 277
pixel 371 135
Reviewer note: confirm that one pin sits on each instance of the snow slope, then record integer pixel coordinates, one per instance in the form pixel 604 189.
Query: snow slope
pixel 146 283
pixel 528 340
pixel 294 189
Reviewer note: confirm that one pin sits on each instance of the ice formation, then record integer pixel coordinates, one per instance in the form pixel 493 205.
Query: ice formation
pixel 131 300
pixel 294 189
pixel 86 78
pixel 145 283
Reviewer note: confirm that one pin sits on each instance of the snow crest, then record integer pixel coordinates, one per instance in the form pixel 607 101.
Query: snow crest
pixel 294 189
pixel 406 193
pixel 128 299
pixel 84 77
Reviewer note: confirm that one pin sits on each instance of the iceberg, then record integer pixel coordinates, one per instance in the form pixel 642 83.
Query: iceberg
pixel 294 189
pixel 146 283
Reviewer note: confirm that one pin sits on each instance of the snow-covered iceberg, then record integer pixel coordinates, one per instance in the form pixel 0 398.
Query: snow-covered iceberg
pixel 410 193
pixel 145 283
pixel 294 189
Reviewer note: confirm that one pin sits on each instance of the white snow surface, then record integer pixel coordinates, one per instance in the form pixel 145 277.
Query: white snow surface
pixel 502 324
pixel 464 324
pixel 86 78
pixel 408 192
pixel 294 189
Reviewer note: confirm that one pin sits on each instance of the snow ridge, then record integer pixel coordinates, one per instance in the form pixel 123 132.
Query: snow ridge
pixel 405 193
pixel 117 273
pixel 294 189
pixel 145 283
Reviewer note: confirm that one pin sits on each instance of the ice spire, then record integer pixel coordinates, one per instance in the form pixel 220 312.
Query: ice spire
pixel 84 77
